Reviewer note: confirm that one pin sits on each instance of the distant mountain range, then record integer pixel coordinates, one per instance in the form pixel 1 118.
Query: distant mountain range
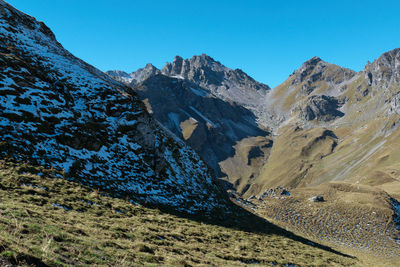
pixel 319 95
pixel 323 130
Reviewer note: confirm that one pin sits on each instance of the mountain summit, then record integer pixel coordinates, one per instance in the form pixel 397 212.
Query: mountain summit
pixel 226 83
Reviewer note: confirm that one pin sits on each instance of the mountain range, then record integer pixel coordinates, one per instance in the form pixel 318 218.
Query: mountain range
pixel 152 166
pixel 326 130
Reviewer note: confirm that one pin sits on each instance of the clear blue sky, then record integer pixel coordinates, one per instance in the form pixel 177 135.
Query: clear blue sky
pixel 266 39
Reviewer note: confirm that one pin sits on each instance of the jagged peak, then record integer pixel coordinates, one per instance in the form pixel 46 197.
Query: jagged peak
pixel 204 57
pixel 311 63
pixel 315 69
pixel 388 57
pixel 150 66
pixel 385 69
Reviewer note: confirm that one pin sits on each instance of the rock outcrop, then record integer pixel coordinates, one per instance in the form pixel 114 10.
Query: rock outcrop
pixel 321 107
pixel 384 71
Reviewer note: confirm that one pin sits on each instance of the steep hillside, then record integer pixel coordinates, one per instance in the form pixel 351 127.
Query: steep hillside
pixel 46 221
pixel 59 112
pixel 337 138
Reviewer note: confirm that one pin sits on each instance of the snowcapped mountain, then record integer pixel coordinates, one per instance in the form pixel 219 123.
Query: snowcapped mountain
pixel 60 112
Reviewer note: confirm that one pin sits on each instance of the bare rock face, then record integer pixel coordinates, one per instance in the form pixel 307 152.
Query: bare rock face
pixel 314 71
pixel 385 70
pixel 208 124
pixel 228 84
pixel 322 108
pixel 59 112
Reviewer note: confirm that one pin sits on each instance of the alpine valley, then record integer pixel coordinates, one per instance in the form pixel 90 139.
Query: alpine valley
pixel 195 164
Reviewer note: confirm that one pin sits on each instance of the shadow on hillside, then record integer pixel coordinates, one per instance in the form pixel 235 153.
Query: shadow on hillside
pixel 244 220
pixel 179 100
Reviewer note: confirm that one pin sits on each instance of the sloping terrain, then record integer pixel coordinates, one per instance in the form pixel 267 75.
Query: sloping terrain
pixel 328 124
pixel 337 126
pixel 356 109
pixel 57 111
pixel 358 217
pixel 49 221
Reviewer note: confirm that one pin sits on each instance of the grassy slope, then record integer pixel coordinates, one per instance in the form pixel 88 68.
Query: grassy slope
pixel 52 221
pixel 358 220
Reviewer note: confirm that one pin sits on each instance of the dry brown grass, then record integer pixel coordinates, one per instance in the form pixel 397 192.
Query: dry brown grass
pixel 355 218
pixel 45 220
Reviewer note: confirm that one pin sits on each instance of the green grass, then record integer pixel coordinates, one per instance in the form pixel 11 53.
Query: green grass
pixel 47 220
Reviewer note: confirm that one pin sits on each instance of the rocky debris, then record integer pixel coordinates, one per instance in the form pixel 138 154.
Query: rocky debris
pixel 278 192
pixel 318 198
pixel 5 263
pixel 243 202
pixel 321 108
pixel 285 193
pixel 396 215
pixel 344 223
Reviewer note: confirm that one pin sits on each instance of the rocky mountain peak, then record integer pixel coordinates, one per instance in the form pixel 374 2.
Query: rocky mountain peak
pixel 385 70
pixel 307 68
pixel 313 60
pixel 316 70
pixel 150 66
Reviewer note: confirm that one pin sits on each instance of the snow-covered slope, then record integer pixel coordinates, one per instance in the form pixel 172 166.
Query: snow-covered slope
pixel 58 111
